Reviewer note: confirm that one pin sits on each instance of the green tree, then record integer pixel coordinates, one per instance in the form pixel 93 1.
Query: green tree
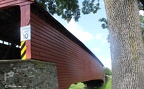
pixel 127 49
pixel 105 23
pixel 142 22
pixel 141 4
pixel 107 71
pixel 69 9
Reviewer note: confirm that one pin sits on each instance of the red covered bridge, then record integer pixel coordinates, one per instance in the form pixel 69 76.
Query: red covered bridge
pixel 49 41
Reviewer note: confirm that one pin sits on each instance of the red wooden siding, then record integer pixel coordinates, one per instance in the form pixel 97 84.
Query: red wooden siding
pixel 9 3
pixel 74 64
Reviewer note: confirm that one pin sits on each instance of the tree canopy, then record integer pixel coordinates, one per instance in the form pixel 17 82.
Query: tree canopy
pixel 107 71
pixel 69 9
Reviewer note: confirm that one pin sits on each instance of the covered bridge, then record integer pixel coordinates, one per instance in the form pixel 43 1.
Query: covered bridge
pixel 29 32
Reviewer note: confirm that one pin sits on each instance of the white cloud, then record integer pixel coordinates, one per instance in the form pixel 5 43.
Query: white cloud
pixel 78 31
pixel 102 38
pixel 96 50
pixel 98 36
pixel 141 12
pixel 106 62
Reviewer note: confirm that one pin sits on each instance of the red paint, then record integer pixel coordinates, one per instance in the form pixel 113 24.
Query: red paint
pixel 28 50
pixel 25 15
pixel 25 21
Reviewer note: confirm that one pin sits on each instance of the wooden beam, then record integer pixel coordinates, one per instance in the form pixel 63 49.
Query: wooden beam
pixel 25 21
pixel 10 3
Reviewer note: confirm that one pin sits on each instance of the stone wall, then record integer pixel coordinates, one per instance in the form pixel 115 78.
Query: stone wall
pixel 30 74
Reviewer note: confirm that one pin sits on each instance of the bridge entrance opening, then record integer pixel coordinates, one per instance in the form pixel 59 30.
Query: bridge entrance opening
pixel 10 33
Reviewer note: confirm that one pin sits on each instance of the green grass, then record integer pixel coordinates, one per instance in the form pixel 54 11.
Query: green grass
pixel 103 87
pixel 77 86
pixel 109 84
pixel 81 85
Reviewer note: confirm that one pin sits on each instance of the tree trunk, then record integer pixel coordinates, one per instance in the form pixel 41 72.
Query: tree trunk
pixel 127 50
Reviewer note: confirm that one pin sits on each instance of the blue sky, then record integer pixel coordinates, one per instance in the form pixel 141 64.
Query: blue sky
pixel 88 30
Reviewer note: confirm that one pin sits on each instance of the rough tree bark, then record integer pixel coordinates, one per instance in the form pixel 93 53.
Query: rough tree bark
pixel 127 50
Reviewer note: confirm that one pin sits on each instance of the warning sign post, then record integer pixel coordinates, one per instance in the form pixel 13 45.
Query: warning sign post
pixel 25 33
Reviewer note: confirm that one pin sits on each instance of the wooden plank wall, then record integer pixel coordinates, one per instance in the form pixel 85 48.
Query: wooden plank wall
pixel 74 64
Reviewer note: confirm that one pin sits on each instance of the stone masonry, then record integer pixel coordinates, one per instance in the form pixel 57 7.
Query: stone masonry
pixel 30 74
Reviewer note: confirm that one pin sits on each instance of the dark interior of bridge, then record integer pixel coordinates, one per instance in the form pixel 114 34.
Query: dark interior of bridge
pixel 10 33
pixel 93 83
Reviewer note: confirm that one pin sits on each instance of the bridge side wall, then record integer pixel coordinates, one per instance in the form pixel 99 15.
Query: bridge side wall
pixel 73 63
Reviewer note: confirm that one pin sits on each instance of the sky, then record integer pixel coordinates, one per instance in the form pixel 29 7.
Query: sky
pixel 88 30
pixel 141 12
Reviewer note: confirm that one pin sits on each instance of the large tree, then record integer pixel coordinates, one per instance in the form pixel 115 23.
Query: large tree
pixel 127 50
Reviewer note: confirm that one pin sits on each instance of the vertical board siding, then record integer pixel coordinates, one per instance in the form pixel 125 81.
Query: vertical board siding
pixel 74 64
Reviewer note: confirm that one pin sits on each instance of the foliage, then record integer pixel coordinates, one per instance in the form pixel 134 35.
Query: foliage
pixel 107 71
pixel 77 86
pixel 105 23
pixel 90 6
pixel 69 9
pixel 107 85
pixel 141 4
pixel 64 8
pixel 142 22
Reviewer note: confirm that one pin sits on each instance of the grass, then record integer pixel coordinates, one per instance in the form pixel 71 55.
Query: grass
pixel 77 86
pixel 81 85
pixel 109 84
